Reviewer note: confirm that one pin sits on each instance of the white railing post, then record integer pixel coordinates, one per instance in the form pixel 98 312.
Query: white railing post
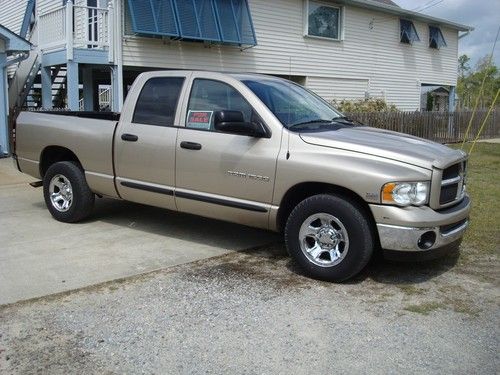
pixel 69 30
pixel 111 32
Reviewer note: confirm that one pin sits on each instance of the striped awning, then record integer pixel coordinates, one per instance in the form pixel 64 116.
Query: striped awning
pixel 221 21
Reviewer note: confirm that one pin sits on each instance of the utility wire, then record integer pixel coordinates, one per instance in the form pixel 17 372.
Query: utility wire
pixel 427 5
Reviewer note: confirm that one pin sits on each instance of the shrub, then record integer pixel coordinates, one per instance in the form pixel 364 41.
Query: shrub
pixel 364 105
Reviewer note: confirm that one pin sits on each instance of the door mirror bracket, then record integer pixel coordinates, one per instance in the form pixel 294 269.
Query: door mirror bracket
pixel 233 122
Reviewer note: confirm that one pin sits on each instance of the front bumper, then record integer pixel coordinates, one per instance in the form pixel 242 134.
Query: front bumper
pixel 420 229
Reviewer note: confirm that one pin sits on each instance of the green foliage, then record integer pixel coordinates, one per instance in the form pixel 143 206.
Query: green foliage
pixel 364 105
pixel 470 80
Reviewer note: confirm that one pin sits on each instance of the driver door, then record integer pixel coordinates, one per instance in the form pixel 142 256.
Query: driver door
pixel 221 175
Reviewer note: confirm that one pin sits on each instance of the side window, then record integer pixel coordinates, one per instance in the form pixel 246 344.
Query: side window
pixel 208 96
pixel 157 101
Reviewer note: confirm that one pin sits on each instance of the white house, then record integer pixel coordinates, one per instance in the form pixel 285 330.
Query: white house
pixel 341 49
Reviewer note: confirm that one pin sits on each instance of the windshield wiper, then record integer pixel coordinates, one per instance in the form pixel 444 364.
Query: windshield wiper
pixel 346 120
pixel 318 121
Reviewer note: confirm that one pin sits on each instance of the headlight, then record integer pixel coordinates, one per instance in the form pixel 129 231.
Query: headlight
pixel 405 193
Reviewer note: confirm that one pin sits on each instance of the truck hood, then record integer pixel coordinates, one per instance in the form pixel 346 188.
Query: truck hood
pixel 386 144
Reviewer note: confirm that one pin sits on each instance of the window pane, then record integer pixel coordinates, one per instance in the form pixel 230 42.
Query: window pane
pixel 291 103
pixel 208 96
pixel 323 21
pixel 157 101
pixel 408 32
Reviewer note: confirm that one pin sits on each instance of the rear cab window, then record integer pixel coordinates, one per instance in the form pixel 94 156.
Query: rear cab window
pixel 157 102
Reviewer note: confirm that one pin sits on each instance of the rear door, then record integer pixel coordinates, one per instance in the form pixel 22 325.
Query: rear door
pixel 146 138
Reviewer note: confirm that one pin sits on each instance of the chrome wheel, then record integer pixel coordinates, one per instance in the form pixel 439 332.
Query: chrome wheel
pixel 324 240
pixel 60 193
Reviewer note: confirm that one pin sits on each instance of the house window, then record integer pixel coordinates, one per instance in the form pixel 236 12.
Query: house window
pixel 323 21
pixel 436 38
pixel 408 33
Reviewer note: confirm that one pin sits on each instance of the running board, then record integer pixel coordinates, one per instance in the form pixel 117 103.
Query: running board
pixel 36 184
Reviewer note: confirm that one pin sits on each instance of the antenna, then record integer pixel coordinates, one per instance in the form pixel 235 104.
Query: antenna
pixel 289 106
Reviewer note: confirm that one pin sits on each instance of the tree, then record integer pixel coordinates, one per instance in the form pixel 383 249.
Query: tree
pixel 463 65
pixel 470 81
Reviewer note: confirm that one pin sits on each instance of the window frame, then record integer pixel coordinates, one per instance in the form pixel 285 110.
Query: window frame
pixel 410 42
pixel 176 106
pixel 341 17
pixel 188 100
pixel 438 47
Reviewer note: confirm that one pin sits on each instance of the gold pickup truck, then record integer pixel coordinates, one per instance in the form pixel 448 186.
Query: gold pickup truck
pixel 259 151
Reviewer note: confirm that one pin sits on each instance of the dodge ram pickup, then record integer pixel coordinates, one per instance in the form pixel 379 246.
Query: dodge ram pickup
pixel 259 151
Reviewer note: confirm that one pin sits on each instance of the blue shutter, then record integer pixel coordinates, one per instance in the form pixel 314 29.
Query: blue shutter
pixel 197 20
pixel 235 22
pixel 244 22
pixel 154 17
pixel 225 21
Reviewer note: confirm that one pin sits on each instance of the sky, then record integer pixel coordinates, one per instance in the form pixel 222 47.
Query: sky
pixel 483 15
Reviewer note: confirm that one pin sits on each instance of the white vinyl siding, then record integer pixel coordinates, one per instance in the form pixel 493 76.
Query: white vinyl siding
pixel 338 88
pixel 11 16
pixel 374 55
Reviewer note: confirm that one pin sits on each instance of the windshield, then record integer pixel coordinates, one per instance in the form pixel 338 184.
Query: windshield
pixel 291 103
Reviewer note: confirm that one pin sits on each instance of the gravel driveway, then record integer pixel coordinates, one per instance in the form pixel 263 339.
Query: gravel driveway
pixel 252 312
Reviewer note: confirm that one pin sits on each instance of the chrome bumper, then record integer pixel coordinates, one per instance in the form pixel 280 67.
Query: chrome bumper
pixel 420 229
pixel 393 237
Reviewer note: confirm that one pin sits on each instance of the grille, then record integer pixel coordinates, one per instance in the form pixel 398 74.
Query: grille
pixel 453 184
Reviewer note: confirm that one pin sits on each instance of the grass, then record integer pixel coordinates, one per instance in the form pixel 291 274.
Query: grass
pixel 483 186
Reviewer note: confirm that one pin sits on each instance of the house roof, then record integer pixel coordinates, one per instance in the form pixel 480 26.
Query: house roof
pixel 389 7
pixel 13 42
pixel 388 2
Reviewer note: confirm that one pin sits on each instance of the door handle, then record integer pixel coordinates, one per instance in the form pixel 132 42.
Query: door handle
pixel 191 145
pixel 129 137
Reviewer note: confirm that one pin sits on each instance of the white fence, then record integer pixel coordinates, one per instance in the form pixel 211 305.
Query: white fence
pixel 75 26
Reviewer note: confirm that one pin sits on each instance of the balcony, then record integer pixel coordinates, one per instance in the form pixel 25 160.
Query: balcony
pixel 75 27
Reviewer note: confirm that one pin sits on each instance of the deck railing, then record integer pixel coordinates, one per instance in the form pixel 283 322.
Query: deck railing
pixel 76 26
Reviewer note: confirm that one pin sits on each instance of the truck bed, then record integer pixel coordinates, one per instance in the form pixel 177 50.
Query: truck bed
pixel 88 135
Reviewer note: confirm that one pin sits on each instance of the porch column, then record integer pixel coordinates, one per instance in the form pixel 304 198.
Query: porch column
pixel 4 94
pixel 72 86
pixel 88 89
pixel 451 110
pixel 116 88
pixel 46 87
pixel 451 99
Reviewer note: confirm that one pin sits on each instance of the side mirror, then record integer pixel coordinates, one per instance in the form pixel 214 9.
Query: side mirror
pixel 234 122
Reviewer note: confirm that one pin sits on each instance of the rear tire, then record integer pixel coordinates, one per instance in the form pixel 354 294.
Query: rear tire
pixel 66 192
pixel 329 237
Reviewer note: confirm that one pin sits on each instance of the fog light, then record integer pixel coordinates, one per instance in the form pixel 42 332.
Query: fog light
pixel 427 240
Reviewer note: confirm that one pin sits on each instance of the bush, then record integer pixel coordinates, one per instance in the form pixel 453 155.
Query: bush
pixel 364 105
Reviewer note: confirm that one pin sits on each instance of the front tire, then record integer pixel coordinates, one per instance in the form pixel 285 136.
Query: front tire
pixel 66 192
pixel 330 237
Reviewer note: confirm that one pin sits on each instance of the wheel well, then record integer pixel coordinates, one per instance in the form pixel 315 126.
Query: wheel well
pixel 54 154
pixel 298 193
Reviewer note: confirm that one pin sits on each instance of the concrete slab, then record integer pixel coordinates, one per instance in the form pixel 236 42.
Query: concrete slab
pixel 492 140
pixel 40 256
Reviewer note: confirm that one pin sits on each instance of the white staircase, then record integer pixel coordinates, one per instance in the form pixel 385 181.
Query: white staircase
pixel 23 79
